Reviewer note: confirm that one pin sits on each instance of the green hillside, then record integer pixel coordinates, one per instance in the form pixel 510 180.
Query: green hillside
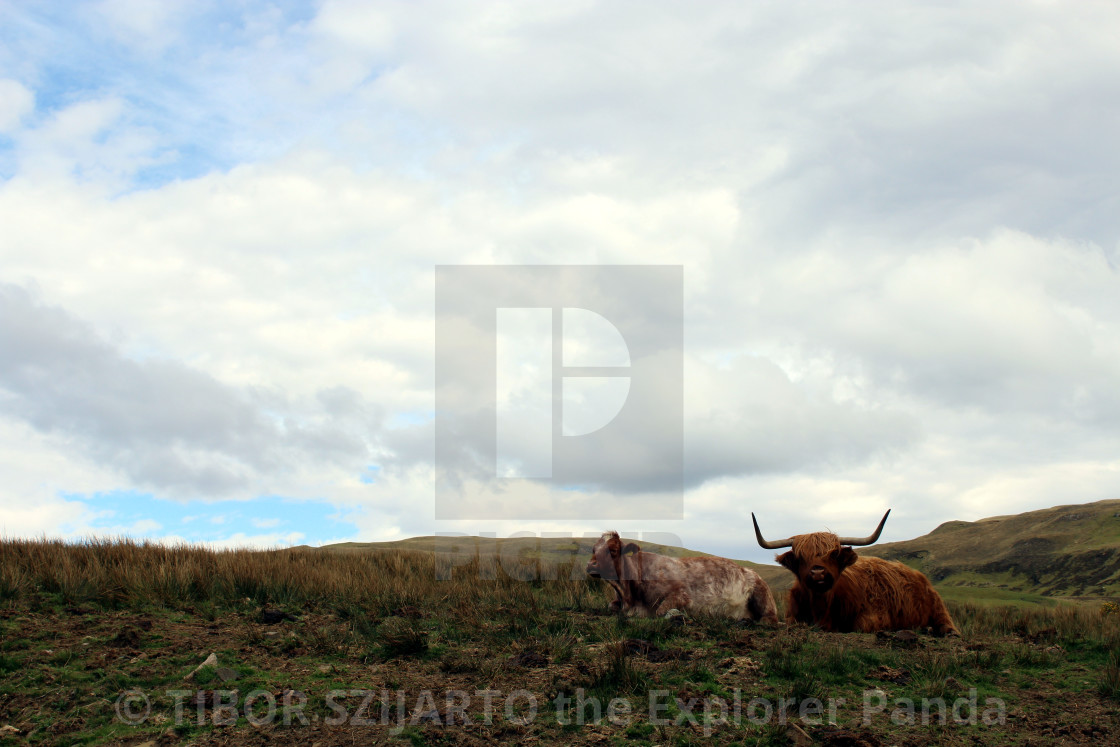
pixel 1064 552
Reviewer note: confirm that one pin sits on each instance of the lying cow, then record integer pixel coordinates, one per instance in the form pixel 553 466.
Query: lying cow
pixel 840 591
pixel 649 584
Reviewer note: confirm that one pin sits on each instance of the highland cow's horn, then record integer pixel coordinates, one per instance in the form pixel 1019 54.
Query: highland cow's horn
pixel 857 542
pixel 769 545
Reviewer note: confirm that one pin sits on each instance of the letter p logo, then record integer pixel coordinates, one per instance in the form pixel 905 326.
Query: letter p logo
pixel 555 385
pixel 560 372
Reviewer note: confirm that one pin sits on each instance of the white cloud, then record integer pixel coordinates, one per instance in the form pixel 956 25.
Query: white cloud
pixel 237 541
pixel 151 25
pixel 896 225
pixel 16 102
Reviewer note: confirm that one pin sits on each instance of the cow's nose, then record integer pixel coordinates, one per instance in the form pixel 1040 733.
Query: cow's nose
pixel 816 572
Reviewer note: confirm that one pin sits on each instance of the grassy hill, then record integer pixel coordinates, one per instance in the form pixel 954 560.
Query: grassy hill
pixel 1060 552
pixel 1065 552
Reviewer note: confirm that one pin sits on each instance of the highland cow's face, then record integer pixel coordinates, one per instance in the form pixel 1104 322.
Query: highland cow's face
pixel 818 560
pixel 606 557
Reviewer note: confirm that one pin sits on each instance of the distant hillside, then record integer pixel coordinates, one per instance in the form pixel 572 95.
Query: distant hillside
pixel 1032 558
pixel 1065 551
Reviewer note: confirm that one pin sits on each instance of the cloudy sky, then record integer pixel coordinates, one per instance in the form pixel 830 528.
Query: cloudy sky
pixel 220 222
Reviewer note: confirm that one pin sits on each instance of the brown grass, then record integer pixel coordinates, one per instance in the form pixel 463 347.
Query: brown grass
pixel 115 572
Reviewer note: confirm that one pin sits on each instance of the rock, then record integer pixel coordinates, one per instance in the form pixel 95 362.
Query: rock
pixel 272 634
pixel 227 675
pixel 675 617
pixel 9 730
pixel 211 661
pixel 325 668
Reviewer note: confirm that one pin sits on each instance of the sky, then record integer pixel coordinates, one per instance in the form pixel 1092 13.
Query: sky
pixel 896 225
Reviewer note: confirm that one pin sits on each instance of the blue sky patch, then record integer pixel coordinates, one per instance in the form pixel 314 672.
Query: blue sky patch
pixel 290 521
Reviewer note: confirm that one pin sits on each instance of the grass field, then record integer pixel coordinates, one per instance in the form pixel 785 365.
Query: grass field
pixel 99 641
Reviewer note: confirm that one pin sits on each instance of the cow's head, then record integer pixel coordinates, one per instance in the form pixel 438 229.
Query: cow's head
pixel 607 558
pixel 819 558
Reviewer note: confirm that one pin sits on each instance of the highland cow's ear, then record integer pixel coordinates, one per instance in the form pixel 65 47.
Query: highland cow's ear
pixel 846 557
pixel 788 559
pixel 631 548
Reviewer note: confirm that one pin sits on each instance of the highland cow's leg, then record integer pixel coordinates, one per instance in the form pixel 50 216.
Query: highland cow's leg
pixel 620 601
pixel 793 611
pixel 940 620
pixel 760 605
pixel 870 622
pixel 672 597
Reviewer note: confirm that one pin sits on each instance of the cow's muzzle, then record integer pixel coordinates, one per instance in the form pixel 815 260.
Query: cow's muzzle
pixel 819 579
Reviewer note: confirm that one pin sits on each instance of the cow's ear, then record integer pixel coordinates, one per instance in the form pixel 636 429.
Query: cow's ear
pixel 788 559
pixel 631 548
pixel 846 557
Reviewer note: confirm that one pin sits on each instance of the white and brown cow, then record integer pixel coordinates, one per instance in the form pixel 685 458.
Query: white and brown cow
pixel 649 584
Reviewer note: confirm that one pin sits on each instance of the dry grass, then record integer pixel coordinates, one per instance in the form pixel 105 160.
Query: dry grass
pixel 116 572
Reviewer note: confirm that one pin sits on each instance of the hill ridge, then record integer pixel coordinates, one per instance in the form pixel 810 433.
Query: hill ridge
pixel 1065 551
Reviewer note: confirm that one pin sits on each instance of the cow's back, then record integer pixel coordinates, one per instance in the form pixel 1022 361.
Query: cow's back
pixel 715 586
pixel 901 596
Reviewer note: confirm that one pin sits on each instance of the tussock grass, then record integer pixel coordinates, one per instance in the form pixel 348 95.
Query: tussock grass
pixel 616 673
pixel 113 573
pixel 1110 678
